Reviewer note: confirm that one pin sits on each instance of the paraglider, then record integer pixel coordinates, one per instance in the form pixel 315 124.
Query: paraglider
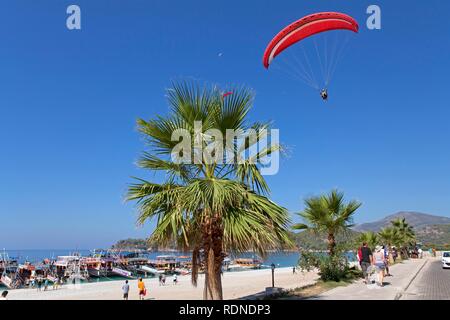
pixel 309 27
pixel 226 94
pixel 324 94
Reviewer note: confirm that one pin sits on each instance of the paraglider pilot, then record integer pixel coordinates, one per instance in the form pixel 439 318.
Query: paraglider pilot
pixel 324 94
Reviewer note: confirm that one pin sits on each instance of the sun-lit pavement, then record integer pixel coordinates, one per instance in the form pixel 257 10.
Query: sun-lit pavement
pixel 432 283
pixel 403 274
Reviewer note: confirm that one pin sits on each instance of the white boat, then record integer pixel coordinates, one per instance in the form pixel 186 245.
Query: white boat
pixel 121 272
pixel 152 270
pixel 183 271
pixel 6 280
pixel 70 267
pixel 164 263
pixel 52 279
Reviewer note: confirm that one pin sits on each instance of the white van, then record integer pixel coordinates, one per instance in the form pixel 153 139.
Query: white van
pixel 445 259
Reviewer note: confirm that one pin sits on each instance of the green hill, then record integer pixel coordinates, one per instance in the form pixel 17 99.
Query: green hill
pixel 435 236
pixel 417 220
pixel 131 244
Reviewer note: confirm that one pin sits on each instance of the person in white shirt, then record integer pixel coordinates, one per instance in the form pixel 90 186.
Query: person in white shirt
pixel 175 279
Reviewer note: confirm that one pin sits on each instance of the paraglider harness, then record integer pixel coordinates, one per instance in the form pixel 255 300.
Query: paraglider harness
pixel 324 94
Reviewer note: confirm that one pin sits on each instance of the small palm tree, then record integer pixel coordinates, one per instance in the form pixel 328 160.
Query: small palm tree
pixel 371 238
pixel 330 214
pixel 208 205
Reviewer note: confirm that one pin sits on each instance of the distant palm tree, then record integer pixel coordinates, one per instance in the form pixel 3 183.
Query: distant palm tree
pixel 406 236
pixel 371 238
pixel 208 206
pixel 330 214
pixel 390 237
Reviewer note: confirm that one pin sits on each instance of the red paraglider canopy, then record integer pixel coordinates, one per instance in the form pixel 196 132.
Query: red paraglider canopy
pixel 306 27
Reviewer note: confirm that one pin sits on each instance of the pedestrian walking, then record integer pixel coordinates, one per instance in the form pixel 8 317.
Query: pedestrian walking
pixel 359 256
pixel 55 283
pixel 160 279
pixel 45 284
pixel 294 271
pixel 125 290
pixel 394 253
pixel 175 279
pixel 39 284
pixel 164 279
pixel 386 260
pixel 141 288
pixel 378 260
pixel 366 261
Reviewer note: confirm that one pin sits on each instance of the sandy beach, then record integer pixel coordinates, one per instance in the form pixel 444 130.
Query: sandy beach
pixel 235 285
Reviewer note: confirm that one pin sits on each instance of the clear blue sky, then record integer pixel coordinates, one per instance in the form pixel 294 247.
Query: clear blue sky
pixel 69 101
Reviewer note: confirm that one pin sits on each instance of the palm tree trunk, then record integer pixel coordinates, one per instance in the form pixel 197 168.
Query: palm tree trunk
pixel 331 243
pixel 213 255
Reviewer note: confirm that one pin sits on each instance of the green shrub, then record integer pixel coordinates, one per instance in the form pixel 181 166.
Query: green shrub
pixel 331 268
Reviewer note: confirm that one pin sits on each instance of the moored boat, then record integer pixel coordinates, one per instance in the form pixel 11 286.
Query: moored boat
pixel 166 263
pixel 98 266
pixel 70 267
pixel 244 263
pixel 9 275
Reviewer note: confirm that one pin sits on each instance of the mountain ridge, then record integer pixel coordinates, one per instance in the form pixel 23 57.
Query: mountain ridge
pixel 418 220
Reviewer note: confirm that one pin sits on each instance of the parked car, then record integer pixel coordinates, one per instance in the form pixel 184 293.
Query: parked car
pixel 445 259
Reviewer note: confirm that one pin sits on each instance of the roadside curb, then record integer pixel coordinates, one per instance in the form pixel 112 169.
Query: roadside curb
pixel 400 294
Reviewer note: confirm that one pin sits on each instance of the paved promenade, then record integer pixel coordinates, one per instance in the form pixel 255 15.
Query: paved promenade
pixel 404 274
pixel 432 283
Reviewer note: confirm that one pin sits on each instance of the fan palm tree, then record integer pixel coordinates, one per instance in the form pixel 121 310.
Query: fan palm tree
pixel 206 204
pixel 371 238
pixel 406 236
pixel 390 237
pixel 330 214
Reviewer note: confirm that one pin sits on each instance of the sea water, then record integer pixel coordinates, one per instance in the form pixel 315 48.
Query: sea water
pixel 279 259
